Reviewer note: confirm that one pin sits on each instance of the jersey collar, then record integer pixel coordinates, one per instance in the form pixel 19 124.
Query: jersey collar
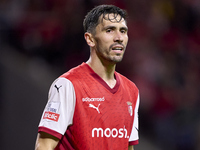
pixel 101 81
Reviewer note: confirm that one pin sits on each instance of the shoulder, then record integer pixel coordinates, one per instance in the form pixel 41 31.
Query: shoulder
pixel 77 75
pixel 65 80
pixel 125 81
pixel 74 73
pixel 61 85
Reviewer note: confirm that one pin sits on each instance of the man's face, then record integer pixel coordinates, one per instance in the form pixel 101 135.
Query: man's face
pixel 111 39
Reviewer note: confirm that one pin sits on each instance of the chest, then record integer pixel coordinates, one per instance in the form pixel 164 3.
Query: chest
pixel 105 109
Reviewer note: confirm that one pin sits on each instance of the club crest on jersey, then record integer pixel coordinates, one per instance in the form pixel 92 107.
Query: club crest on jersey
pixel 130 108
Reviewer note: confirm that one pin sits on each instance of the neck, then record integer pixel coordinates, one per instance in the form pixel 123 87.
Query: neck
pixel 104 70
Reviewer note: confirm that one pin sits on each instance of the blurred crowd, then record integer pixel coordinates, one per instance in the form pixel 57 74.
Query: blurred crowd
pixel 162 57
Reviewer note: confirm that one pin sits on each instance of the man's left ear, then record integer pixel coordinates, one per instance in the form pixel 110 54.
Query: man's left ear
pixel 89 39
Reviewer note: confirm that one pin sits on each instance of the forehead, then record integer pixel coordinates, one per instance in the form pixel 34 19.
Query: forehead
pixel 111 18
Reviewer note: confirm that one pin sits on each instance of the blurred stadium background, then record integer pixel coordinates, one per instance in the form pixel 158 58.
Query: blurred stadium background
pixel 41 39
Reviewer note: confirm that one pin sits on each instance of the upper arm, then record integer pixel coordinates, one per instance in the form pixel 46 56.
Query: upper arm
pixel 61 103
pixel 45 141
pixel 59 110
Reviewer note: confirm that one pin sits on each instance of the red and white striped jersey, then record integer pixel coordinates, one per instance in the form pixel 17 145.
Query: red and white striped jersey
pixel 85 113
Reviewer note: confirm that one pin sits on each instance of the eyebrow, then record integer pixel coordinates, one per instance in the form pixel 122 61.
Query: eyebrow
pixel 114 27
pixel 124 28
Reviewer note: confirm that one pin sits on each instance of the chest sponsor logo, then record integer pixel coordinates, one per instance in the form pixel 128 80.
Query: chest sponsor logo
pixel 114 132
pixel 87 99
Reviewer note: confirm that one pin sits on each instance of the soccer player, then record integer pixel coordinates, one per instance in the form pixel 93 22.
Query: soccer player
pixel 93 107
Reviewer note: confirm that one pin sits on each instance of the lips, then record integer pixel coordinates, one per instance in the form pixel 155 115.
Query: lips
pixel 117 47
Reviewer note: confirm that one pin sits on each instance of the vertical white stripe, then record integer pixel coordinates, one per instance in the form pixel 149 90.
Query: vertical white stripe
pixel 134 133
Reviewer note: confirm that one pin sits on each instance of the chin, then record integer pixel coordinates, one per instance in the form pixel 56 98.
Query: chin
pixel 117 60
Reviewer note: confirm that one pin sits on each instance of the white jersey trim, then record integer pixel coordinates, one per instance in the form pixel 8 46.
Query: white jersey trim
pixel 134 133
pixel 59 111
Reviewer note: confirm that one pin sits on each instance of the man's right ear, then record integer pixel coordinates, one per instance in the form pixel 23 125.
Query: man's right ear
pixel 89 39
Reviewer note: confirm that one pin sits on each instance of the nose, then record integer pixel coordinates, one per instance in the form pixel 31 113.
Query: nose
pixel 118 37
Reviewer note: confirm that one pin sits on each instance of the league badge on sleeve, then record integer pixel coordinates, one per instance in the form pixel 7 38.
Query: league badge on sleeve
pixel 130 108
pixel 51 112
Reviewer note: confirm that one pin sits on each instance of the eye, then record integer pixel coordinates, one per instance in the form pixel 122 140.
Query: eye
pixel 123 31
pixel 108 30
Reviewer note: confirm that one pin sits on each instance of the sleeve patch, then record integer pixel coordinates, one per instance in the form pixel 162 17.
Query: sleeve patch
pixel 51 116
pixel 53 107
pixel 51 112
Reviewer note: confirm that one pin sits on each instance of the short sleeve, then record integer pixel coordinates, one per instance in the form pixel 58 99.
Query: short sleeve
pixel 59 110
pixel 133 140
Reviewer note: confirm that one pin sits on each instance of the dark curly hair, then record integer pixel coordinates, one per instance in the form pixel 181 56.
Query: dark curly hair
pixel 92 18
